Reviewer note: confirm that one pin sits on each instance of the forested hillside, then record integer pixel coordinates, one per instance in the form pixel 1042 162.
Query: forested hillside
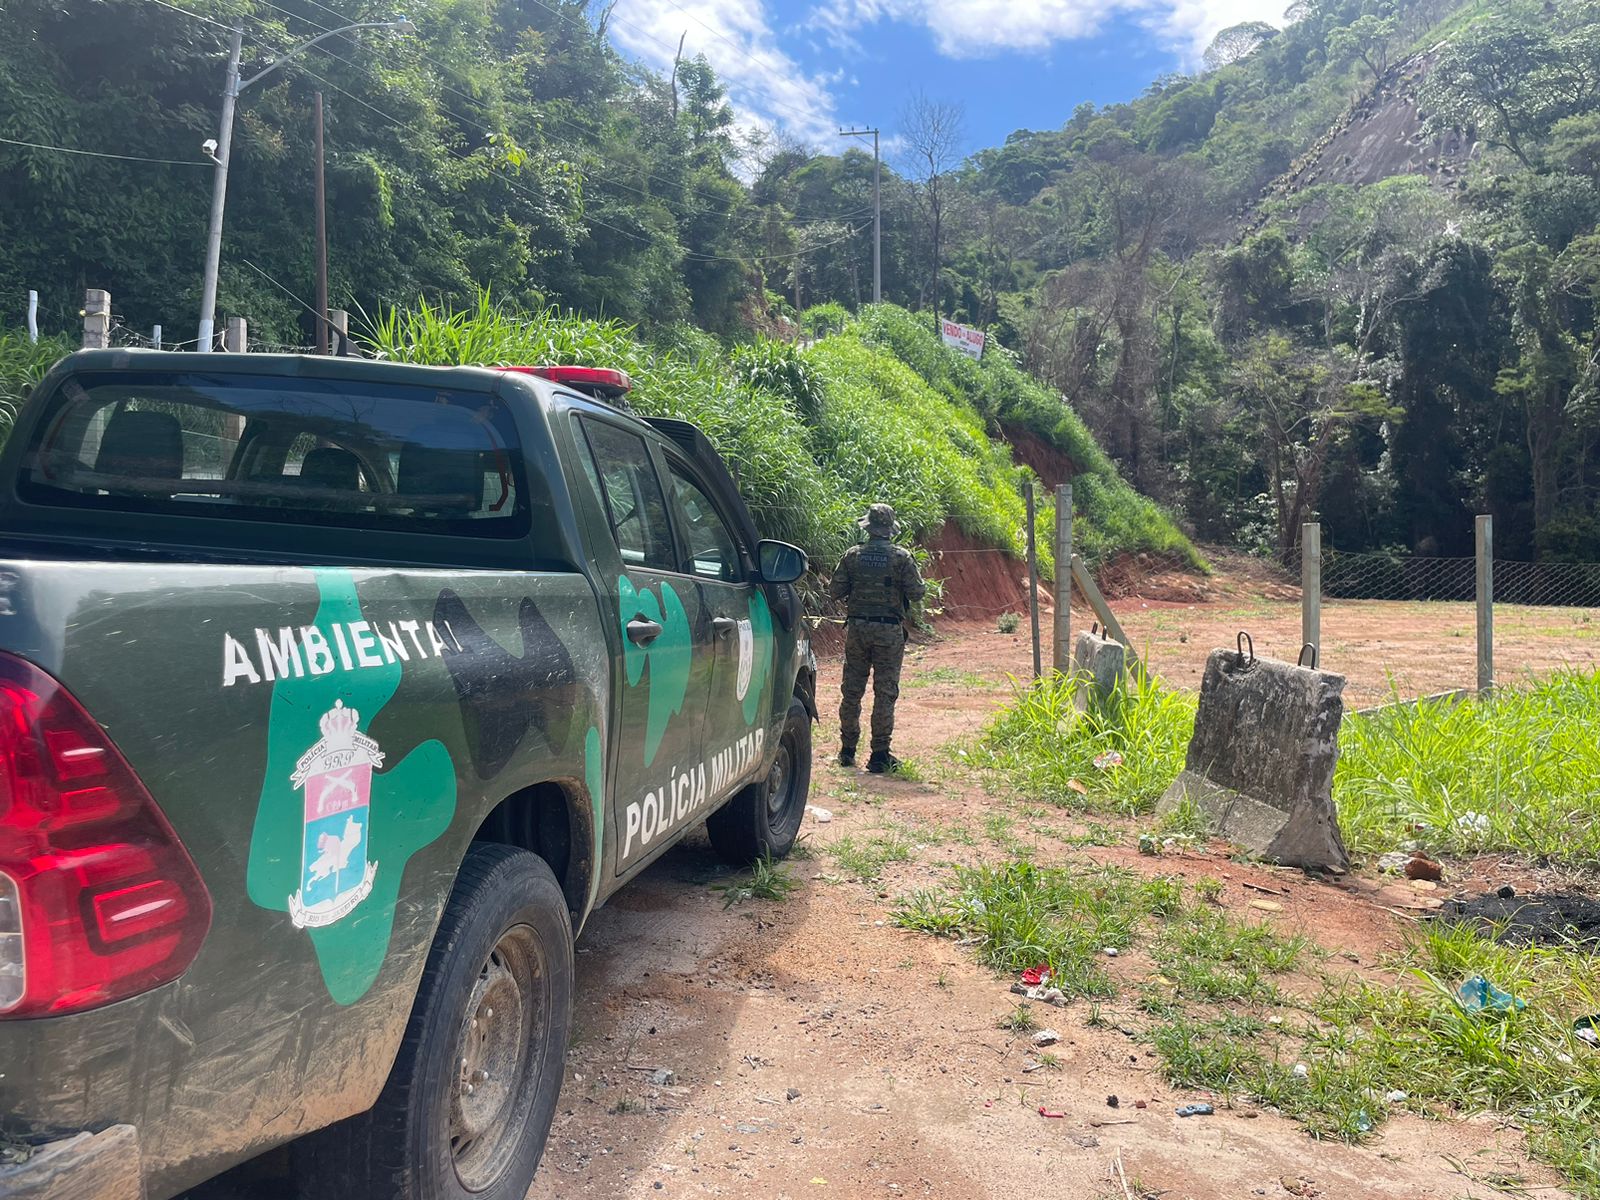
pixel 1348 270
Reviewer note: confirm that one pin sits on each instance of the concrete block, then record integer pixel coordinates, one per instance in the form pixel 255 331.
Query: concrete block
pixel 1102 665
pixel 1260 763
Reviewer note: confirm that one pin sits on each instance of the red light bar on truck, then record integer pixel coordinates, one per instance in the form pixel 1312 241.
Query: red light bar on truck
pixel 603 383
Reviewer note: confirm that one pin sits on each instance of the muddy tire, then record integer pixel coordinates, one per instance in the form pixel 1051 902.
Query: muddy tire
pixel 467 1108
pixel 763 818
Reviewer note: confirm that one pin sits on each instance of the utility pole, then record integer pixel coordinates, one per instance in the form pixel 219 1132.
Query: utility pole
pixel 322 244
pixel 219 152
pixel 219 195
pixel 877 212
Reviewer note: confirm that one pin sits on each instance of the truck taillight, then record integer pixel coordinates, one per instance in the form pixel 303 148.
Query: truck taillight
pixel 98 899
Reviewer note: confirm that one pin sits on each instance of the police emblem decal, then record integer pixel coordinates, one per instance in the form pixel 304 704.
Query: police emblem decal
pixel 336 775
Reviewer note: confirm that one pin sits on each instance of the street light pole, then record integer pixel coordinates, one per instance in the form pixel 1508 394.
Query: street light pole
pixel 219 195
pixel 322 244
pixel 220 155
pixel 877 212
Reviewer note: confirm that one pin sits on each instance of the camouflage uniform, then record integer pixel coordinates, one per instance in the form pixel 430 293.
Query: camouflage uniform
pixel 878 579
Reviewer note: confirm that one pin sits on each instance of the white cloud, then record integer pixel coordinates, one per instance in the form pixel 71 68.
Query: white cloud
pixel 984 28
pixel 767 86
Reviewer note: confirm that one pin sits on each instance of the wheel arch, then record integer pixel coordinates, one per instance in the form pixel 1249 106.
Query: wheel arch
pixel 805 688
pixel 554 820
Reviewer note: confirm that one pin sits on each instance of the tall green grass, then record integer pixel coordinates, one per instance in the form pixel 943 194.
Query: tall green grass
pixel 1048 749
pixel 813 435
pixel 23 364
pixel 1519 772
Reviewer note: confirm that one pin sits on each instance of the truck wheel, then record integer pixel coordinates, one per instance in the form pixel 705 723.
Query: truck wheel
pixel 763 818
pixel 468 1105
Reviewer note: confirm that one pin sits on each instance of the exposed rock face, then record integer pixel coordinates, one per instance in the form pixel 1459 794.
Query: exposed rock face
pixel 1377 137
pixel 1260 764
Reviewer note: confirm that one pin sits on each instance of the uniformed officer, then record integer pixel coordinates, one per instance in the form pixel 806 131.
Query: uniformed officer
pixel 878 579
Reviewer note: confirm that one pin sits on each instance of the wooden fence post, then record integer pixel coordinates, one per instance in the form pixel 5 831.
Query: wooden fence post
pixel 1311 587
pixel 155 337
pixel 1061 650
pixel 237 339
pixel 339 319
pixel 96 319
pixel 1485 540
pixel 1033 580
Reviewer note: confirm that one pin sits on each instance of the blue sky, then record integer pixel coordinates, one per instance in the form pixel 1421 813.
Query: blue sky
pixel 1011 64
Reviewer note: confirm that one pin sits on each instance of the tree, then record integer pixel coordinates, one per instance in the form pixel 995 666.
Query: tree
pixel 1366 39
pixel 1236 42
pixel 933 135
pixel 1495 79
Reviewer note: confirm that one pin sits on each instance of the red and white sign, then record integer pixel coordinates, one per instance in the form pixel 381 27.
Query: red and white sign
pixel 963 338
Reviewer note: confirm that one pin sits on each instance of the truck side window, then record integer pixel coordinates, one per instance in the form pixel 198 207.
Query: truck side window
pixel 633 496
pixel 713 553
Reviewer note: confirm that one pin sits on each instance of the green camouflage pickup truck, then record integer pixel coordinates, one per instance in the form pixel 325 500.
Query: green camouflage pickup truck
pixel 335 696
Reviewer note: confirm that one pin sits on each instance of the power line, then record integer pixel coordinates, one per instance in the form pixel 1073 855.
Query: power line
pixel 171 162
pixel 573 19
pixel 279 286
pixel 189 12
pixel 698 257
pixel 446 67
pixel 545 115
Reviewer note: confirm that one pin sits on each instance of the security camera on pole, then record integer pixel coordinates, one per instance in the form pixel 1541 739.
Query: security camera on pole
pixel 218 149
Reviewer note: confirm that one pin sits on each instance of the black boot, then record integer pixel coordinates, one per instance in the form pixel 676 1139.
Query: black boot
pixel 882 761
pixel 847 756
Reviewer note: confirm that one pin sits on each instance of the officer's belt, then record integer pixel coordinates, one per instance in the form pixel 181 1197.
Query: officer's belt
pixel 877 620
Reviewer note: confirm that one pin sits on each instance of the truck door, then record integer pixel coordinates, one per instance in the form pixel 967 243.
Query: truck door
pixel 739 699
pixel 658 777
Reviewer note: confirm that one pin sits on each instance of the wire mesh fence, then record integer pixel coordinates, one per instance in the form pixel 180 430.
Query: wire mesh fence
pixel 1358 576
pixel 1435 624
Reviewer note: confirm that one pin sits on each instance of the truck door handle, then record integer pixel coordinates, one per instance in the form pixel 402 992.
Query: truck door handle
pixel 723 626
pixel 642 630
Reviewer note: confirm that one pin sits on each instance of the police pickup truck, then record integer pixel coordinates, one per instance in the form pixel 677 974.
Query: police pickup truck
pixel 335 696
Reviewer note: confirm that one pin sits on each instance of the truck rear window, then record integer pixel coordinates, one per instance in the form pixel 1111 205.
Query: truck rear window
pixel 365 455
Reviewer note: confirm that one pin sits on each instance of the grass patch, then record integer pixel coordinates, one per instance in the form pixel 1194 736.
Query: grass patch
pixel 1019 1019
pixel 768 880
pixel 865 857
pixel 1364 1042
pixel 952 676
pixel 1020 914
pixel 22 364
pixel 1047 748
pixel 1519 772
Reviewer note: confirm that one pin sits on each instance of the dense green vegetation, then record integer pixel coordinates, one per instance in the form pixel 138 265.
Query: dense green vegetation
pixel 877 410
pixel 1517 772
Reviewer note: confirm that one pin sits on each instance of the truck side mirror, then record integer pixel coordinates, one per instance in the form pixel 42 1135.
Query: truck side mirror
pixel 781 562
